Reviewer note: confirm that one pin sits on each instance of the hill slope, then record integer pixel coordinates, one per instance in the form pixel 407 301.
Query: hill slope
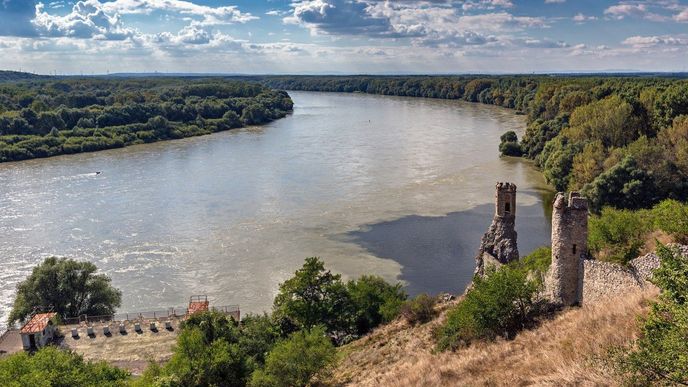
pixel 562 351
pixel 9 76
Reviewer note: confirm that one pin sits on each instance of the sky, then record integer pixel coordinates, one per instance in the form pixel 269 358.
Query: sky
pixel 343 36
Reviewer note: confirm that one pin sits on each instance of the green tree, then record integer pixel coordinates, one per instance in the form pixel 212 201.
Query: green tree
pixel 70 287
pixel 51 366
pixel 626 185
pixel 315 296
pixel 295 361
pixel 259 333
pixel 375 301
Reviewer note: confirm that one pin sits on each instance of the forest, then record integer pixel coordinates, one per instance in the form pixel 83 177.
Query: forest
pixel 43 118
pixel 622 140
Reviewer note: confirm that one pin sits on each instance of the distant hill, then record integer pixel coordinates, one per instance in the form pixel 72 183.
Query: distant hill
pixel 9 76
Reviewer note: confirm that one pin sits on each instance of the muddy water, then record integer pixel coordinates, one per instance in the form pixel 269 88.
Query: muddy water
pixel 399 187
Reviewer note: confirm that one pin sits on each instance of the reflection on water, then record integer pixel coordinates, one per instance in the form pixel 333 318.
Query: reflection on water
pixel 235 213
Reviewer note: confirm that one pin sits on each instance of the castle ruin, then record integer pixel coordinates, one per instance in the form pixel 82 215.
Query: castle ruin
pixel 569 249
pixel 498 245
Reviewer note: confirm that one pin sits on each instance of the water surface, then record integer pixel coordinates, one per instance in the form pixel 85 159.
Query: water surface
pixel 399 187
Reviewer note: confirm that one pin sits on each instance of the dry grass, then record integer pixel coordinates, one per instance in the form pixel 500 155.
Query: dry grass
pixel 563 351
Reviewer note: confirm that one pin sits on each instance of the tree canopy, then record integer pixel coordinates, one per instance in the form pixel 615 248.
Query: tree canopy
pixel 70 288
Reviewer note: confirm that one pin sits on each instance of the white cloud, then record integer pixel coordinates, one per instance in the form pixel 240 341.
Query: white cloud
pixel 640 10
pixel 554 1
pixel 655 41
pixel 206 15
pixel 580 18
pixel 87 20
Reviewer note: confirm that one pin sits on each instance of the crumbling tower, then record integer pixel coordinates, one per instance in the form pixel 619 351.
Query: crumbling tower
pixel 569 248
pixel 498 245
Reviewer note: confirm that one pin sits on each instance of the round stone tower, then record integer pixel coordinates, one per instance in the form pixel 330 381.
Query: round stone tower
pixel 569 248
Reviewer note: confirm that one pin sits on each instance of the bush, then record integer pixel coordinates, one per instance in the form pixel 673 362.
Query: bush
pixel 420 309
pixel 671 217
pixel 296 360
pixel 51 366
pixel 375 301
pixel 509 145
pixel 617 235
pixel 659 355
pixel 499 304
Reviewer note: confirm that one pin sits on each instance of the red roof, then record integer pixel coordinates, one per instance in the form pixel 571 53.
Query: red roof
pixel 37 323
pixel 198 306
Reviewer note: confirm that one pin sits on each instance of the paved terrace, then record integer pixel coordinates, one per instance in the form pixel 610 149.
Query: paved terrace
pixel 132 349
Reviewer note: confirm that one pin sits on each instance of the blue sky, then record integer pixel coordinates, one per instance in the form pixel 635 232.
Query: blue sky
pixel 343 36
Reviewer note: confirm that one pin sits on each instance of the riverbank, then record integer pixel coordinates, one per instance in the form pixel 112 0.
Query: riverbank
pixel 54 117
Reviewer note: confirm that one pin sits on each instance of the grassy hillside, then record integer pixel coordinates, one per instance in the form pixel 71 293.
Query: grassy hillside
pixel 568 349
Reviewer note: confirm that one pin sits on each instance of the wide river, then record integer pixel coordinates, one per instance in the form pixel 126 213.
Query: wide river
pixel 399 187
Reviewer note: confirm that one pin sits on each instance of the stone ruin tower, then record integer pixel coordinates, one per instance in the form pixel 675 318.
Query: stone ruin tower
pixel 498 245
pixel 569 248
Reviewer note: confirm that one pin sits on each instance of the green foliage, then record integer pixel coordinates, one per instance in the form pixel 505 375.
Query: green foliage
pixel 537 262
pixel 626 185
pixel 315 296
pixel 420 309
pixel 499 304
pixel 659 355
pixel 84 115
pixel 617 235
pixel 199 362
pixel 51 366
pixel 375 301
pixel 296 360
pixel 671 216
pixel 70 287
pixel 259 333
pixel 509 145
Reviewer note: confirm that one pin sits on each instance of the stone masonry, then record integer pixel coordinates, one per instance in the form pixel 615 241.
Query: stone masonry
pixel 569 248
pixel 498 245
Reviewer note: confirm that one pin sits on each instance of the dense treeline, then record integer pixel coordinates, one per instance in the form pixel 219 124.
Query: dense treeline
pixel 622 140
pixel 47 118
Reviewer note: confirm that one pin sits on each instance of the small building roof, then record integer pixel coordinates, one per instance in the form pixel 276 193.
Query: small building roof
pixel 198 306
pixel 37 323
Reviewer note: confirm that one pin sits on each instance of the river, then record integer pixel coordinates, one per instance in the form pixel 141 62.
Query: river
pixel 399 187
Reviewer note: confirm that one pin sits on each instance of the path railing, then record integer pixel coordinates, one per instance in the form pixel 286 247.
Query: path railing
pixel 147 316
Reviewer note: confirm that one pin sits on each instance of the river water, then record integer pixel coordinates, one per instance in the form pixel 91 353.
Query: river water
pixel 399 187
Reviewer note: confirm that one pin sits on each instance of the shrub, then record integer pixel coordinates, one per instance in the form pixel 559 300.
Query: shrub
pixel 659 355
pixel 296 360
pixel 509 145
pixel 499 304
pixel 617 235
pixel 375 301
pixel 671 217
pixel 420 309
pixel 51 366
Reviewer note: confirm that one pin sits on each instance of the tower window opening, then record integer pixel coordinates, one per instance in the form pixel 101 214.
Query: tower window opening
pixel 507 208
pixel 574 249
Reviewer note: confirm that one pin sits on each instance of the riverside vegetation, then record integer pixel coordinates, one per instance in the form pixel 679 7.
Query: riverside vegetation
pixel 42 118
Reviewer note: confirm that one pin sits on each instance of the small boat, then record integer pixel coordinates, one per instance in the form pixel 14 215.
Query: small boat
pixel 98 173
